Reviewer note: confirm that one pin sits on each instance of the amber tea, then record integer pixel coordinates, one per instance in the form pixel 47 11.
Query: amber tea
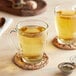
pixel 66 25
pixel 32 40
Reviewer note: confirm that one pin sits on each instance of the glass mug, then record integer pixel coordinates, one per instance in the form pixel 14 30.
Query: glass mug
pixel 65 20
pixel 31 36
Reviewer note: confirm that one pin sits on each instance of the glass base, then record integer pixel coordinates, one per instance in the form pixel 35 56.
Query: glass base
pixel 63 41
pixel 32 60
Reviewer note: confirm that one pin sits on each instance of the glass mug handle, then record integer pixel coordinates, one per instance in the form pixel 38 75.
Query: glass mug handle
pixel 13 39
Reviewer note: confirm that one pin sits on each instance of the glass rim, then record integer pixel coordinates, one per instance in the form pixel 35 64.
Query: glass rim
pixel 31 21
pixel 72 6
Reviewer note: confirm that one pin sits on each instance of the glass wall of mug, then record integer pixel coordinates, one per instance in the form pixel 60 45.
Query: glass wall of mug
pixel 65 21
pixel 32 39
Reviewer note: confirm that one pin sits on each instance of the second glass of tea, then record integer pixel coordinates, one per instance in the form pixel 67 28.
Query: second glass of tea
pixel 65 20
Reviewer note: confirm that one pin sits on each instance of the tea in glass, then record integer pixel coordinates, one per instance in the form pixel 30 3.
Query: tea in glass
pixel 66 24
pixel 65 20
pixel 32 40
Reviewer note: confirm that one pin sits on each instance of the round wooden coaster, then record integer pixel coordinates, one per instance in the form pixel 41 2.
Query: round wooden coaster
pixel 63 46
pixel 17 59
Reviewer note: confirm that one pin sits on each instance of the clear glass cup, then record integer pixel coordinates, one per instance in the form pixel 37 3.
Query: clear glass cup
pixel 65 20
pixel 31 36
